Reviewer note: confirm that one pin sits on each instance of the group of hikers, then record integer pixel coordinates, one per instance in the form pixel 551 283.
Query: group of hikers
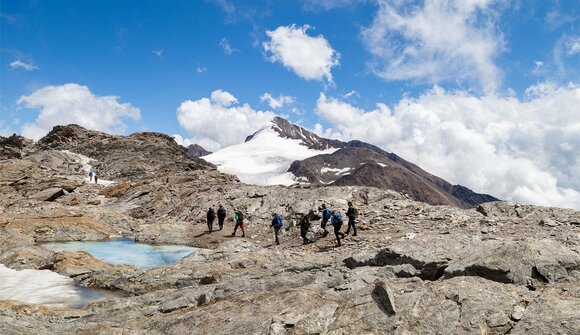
pixel 91 175
pixel 327 215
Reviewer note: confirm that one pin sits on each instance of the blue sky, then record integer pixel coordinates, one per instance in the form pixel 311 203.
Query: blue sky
pixel 367 70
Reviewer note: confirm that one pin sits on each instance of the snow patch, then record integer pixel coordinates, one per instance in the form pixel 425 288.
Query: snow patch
pixel 42 287
pixel 265 159
pixel 86 167
pixel 336 171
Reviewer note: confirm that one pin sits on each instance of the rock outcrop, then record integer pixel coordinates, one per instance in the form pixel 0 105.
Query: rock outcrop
pixel 196 150
pixel 414 268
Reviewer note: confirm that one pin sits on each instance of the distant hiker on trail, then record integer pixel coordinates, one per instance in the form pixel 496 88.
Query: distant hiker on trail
pixel 304 226
pixel 325 218
pixel 96 179
pixel 239 223
pixel 336 222
pixel 210 218
pixel 91 175
pixel 351 213
pixel 277 224
pixel 221 214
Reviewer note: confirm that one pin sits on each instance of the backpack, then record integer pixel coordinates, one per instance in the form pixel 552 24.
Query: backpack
pixel 278 222
pixel 240 217
pixel 337 219
pixel 355 211
pixel 221 212
pixel 326 214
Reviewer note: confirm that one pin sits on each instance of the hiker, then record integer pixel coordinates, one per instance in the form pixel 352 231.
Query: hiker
pixel 239 223
pixel 221 214
pixel 325 218
pixel 91 175
pixel 304 226
pixel 351 213
pixel 96 178
pixel 336 222
pixel 210 218
pixel 277 224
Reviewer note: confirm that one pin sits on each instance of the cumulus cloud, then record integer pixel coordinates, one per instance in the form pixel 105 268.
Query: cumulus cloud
pixel 228 48
pixel 158 53
pixel 278 102
pixel 17 64
pixel 436 41
pixel 74 103
pixel 219 121
pixel 310 57
pixel 523 150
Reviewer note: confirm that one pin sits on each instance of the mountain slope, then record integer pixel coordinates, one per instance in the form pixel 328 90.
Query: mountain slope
pixel 284 153
pixel 123 157
pixel 365 166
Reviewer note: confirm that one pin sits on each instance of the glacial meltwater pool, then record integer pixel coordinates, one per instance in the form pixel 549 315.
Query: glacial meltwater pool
pixel 126 251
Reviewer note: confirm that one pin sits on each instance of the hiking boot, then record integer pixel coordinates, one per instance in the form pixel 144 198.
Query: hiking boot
pixel 233 234
pixel 354 235
pixel 243 235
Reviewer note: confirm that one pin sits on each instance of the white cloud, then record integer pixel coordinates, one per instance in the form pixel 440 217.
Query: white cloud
pixel 73 103
pixel 158 53
pixel 350 94
pixel 219 121
pixel 315 5
pixel 201 69
pixel 223 98
pixel 17 64
pixel 311 58
pixel 526 151
pixel 573 45
pixel 278 102
pixel 228 49
pixel 436 41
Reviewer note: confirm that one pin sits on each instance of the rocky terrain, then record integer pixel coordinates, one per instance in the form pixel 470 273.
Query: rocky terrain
pixel 414 268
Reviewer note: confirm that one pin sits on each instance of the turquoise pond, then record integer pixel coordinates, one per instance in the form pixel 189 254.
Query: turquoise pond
pixel 126 251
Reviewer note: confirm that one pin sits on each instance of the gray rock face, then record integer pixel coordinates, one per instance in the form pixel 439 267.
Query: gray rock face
pixel 196 151
pixel 357 164
pixel 413 268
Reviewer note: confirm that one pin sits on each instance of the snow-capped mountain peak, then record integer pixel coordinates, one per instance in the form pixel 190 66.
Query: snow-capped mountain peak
pixel 265 156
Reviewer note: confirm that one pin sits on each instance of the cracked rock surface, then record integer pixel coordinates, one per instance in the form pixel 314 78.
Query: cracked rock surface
pixel 502 268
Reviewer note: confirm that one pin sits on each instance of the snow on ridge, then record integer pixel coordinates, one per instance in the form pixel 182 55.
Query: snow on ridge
pixel 86 166
pixel 336 171
pixel 265 159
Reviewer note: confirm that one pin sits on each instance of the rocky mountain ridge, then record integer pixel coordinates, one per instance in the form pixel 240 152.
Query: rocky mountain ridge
pixel 357 163
pixel 414 268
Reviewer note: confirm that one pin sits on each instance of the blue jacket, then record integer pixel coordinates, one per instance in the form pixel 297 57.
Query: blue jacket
pixel 277 221
pixel 336 220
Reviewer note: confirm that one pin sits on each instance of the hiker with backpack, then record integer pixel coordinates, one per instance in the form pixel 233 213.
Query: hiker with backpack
pixel 304 226
pixel 325 218
pixel 352 214
pixel 277 225
pixel 336 222
pixel 221 214
pixel 91 175
pixel 239 223
pixel 210 218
